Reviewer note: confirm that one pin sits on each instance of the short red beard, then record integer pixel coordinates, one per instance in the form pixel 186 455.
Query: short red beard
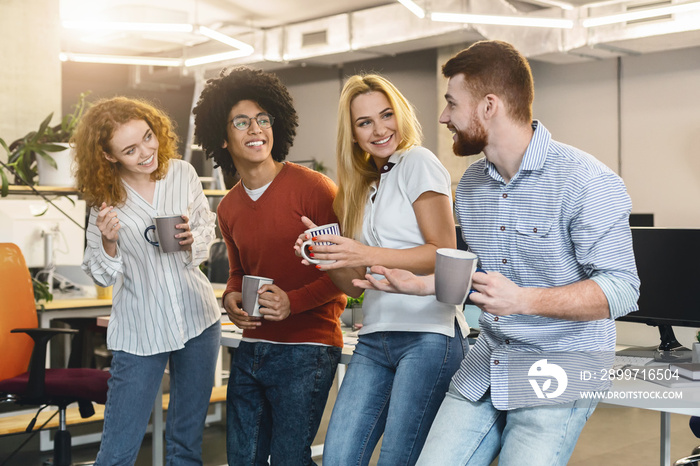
pixel 471 141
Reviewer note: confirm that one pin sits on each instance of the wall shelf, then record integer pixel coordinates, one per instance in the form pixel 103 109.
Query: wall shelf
pixel 14 189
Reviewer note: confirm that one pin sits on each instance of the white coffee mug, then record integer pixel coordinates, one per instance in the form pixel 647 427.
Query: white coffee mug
pixel 328 229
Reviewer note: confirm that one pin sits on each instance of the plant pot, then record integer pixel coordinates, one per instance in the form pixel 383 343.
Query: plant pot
pixel 352 317
pixel 696 352
pixel 60 176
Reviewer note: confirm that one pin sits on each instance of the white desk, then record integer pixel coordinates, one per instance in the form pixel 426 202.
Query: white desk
pixel 689 405
pixel 232 339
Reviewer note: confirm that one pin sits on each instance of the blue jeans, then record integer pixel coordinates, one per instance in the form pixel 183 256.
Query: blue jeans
pixel 474 433
pixel 275 401
pixel 394 385
pixel 133 387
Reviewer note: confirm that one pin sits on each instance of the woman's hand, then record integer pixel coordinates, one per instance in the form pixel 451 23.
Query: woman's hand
pixel 346 252
pixel 108 224
pixel 303 237
pixel 186 237
pixel 237 315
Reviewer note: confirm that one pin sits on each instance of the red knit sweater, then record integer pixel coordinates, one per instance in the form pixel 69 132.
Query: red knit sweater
pixel 260 237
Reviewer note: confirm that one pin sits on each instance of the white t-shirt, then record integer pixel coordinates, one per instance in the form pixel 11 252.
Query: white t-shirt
pixel 390 222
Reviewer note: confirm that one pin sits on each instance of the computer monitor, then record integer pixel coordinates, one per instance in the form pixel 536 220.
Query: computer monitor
pixel 32 224
pixel 668 263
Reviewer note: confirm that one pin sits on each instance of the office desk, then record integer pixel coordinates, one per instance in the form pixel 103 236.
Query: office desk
pixel 70 308
pixel 689 405
pixel 232 339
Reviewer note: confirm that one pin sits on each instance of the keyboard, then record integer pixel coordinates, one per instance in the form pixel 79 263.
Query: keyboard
pixel 624 362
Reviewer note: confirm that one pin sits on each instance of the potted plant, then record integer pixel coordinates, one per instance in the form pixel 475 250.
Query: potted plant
pixel 352 316
pixel 25 154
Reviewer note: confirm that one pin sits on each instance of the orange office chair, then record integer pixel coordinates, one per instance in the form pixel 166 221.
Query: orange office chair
pixel 38 385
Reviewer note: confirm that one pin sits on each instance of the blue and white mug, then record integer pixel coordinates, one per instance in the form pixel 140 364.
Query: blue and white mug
pixel 328 229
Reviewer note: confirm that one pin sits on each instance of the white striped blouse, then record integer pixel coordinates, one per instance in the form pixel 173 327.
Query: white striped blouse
pixel 160 301
pixel 563 218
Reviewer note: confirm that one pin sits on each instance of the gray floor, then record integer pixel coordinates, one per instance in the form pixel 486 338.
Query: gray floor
pixel 612 437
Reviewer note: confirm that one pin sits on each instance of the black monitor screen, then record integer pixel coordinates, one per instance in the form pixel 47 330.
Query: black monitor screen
pixel 668 263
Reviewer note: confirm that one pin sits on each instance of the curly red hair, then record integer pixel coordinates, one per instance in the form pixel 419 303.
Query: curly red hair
pixel 98 179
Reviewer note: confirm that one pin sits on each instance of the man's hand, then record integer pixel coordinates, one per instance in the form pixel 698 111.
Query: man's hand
pixel 498 295
pixel 274 303
pixel 397 281
pixel 237 315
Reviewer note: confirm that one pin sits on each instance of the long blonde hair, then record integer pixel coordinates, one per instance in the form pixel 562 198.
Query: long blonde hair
pixel 356 169
pixel 98 180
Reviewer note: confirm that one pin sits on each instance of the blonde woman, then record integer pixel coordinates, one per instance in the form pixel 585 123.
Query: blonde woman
pixel 395 207
pixel 164 310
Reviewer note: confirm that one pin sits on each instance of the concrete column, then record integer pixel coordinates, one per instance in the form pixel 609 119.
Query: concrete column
pixel 30 70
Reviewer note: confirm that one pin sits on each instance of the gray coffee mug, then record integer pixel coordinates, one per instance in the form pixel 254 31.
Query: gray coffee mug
pixel 249 292
pixel 165 231
pixel 453 275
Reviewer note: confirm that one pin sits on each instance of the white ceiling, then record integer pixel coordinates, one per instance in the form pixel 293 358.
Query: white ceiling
pixel 376 26
pixel 232 16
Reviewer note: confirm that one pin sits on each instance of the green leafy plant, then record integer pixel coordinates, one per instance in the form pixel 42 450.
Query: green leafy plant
pixel 22 153
pixel 41 291
pixel 319 166
pixel 355 302
pixel 697 336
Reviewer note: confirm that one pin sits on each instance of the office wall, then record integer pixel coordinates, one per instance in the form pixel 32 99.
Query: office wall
pixel 659 124
pixel 661 135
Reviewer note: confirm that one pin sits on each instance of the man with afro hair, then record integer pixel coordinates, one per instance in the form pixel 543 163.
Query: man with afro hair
pixel 284 367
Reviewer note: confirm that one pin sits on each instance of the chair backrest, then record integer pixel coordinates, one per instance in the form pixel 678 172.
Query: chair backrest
pixel 17 310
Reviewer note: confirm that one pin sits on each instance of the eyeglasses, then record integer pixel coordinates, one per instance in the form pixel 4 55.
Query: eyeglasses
pixel 243 122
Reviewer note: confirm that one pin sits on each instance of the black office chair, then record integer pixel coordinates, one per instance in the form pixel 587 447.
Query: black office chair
pixel 38 385
pixel 694 458
pixel 217 264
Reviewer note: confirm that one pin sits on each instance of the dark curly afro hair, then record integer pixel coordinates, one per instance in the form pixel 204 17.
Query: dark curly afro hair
pixel 223 93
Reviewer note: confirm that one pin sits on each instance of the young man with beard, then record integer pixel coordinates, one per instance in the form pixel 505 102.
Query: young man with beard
pixel 550 225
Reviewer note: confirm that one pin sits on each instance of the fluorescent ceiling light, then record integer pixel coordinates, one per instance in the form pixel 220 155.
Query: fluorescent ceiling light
pixel 413 7
pixel 242 49
pixel 223 38
pixel 218 57
pixel 128 26
pixel 503 20
pixel 640 14
pixel 119 59
pixel 562 5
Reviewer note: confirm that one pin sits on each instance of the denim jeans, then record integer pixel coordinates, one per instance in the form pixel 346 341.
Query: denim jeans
pixel 474 433
pixel 275 401
pixel 132 391
pixel 394 385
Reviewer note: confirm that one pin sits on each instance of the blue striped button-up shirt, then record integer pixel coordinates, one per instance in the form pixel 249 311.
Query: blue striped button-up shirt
pixel 563 218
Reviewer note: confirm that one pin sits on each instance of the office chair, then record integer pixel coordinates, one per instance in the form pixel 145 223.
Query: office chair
pixel 38 385
pixel 694 458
